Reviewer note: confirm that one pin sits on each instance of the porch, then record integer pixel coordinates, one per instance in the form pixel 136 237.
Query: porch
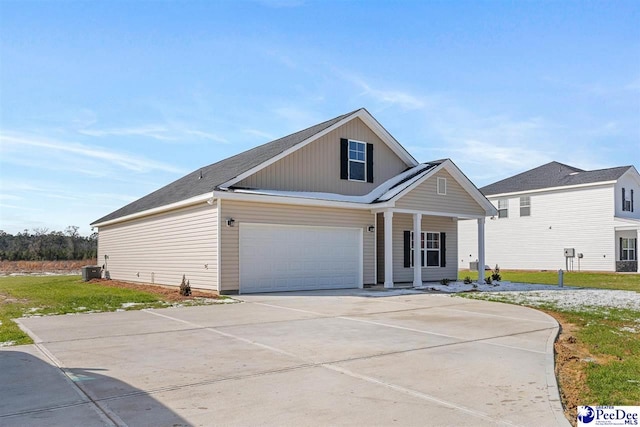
pixel 398 264
pixel 627 232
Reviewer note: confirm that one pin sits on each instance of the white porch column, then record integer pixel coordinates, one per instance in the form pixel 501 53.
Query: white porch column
pixel 481 251
pixel 417 250
pixel 388 249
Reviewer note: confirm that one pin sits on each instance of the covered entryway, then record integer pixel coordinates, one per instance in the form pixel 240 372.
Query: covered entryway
pixel 627 234
pixel 292 258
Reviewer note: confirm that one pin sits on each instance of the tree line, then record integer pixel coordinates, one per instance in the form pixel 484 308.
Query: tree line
pixel 40 244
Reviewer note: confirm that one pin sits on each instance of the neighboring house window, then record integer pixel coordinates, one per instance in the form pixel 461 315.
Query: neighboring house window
pixel 503 208
pixel 525 206
pixel 432 249
pixel 627 203
pixel 356 160
pixel 442 186
pixel 628 249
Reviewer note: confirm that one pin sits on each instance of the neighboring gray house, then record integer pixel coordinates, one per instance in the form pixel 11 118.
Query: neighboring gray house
pixel 332 206
pixel 595 215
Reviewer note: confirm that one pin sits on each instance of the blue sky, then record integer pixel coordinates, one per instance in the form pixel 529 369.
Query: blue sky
pixel 103 102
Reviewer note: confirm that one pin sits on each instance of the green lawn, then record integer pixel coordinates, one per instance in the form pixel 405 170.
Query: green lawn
pixel 25 295
pixel 627 282
pixel 611 334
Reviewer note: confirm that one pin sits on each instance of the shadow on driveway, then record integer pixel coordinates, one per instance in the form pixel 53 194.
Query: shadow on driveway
pixel 34 392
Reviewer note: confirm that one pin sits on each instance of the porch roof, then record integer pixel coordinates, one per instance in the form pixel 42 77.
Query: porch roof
pixel 626 224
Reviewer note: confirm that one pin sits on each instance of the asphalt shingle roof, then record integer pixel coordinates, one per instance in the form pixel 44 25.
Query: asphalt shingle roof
pixel 207 178
pixel 550 175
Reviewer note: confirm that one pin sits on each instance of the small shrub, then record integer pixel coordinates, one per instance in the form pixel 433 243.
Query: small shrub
pixel 185 287
pixel 487 280
pixel 445 282
pixel 467 280
pixel 495 274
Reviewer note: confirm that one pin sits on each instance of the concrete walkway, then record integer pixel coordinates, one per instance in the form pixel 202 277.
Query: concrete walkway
pixel 314 358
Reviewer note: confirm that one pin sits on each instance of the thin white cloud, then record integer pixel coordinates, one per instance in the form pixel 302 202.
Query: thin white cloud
pixel 122 160
pixel 390 97
pixel 259 134
pixel 498 156
pixel 61 196
pixel 155 132
pixel 394 97
pixel 21 208
pixel 158 132
pixel 207 135
pixel 114 196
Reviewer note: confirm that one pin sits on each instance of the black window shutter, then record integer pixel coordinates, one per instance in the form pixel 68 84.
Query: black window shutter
pixel 631 200
pixel 635 252
pixel 621 249
pixel 623 198
pixel 407 248
pixel 369 162
pixel 443 249
pixel 344 158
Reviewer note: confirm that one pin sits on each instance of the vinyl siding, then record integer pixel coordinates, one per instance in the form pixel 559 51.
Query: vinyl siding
pixel 161 248
pixel 581 219
pixel 316 167
pixel 629 181
pixel 425 197
pixel 267 213
pixel 402 222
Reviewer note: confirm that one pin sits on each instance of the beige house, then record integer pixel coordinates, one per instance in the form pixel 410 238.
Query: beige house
pixel 336 205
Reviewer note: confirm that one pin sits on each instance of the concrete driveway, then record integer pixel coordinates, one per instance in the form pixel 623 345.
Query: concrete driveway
pixel 314 358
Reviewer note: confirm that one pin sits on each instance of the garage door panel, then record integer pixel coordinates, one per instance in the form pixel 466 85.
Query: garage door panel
pixel 278 258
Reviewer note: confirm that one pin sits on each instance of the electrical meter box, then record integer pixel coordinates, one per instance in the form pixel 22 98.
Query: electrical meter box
pixel 569 252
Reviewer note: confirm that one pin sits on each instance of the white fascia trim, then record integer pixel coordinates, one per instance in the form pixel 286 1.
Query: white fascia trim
pixel 626 224
pixel 284 200
pixel 428 213
pixel 470 188
pixel 392 201
pixel 460 178
pixel 626 228
pixel 172 206
pixel 549 189
pixel 633 172
pixel 382 133
pixel 627 220
pixel 361 114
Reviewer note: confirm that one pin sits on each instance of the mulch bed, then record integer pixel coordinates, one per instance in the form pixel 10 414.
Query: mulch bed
pixel 167 293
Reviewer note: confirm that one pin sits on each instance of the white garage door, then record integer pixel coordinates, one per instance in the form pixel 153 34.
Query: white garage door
pixel 288 258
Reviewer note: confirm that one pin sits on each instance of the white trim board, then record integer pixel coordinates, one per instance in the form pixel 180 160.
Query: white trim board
pixel 551 189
